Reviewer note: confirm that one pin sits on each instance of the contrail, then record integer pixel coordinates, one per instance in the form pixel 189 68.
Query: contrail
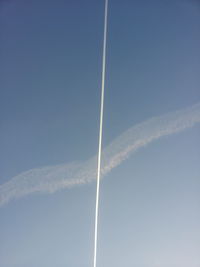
pixel 52 178
pixel 100 133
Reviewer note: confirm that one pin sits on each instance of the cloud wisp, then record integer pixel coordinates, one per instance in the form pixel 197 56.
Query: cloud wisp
pixel 52 178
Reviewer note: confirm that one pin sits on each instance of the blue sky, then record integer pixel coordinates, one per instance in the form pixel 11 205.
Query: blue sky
pixel 49 105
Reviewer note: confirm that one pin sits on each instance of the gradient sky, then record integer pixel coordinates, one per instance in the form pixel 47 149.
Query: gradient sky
pixel 50 97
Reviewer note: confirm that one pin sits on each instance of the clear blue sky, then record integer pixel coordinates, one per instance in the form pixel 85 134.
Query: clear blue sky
pixel 50 92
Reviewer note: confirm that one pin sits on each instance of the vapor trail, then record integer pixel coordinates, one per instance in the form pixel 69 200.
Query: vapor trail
pixel 52 178
pixel 100 133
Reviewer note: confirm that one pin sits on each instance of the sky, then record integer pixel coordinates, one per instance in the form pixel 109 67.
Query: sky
pixel 50 101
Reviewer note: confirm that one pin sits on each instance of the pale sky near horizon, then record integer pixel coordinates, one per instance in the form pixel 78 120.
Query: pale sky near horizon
pixel 50 67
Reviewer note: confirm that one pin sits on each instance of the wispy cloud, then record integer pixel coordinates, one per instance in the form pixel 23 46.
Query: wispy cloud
pixel 52 178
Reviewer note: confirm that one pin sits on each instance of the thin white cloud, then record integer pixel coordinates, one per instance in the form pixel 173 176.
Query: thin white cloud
pixel 52 178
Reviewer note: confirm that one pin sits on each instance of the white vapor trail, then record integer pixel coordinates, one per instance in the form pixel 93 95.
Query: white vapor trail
pixel 100 133
pixel 52 178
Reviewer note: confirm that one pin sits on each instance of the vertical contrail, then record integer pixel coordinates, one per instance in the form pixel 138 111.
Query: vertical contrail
pixel 100 131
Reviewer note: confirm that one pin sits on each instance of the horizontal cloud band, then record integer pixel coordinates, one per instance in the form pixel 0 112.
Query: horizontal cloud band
pixel 52 178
